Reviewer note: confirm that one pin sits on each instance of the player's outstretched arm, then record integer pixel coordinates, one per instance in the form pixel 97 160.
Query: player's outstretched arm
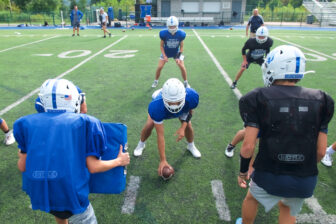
pixel 96 166
pixel 321 146
pixel 161 147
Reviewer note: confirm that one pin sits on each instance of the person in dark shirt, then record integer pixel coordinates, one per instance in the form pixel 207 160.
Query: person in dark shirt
pixel 258 47
pixel 255 22
pixel 293 125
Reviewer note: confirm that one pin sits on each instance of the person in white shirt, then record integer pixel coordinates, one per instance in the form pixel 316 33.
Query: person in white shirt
pixel 104 19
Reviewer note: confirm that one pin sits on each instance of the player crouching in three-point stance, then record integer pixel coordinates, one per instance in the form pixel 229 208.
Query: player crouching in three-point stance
pixel 258 47
pixel 172 101
pixel 58 151
pixel 171 46
pixel 293 123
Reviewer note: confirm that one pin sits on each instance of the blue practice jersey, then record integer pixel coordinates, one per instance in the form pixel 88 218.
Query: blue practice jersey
pixel 158 112
pixel 172 42
pixel 39 106
pixel 57 144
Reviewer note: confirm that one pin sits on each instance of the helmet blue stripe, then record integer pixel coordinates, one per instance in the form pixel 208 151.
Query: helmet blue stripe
pixel 297 69
pixel 54 95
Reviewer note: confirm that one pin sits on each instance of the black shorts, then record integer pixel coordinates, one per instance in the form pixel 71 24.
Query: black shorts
pixel 250 60
pixel 62 214
pixel 76 24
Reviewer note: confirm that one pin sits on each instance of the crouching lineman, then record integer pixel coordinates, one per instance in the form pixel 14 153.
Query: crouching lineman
pixel 172 101
pixel 293 123
pixel 258 47
pixel 171 46
pixel 58 151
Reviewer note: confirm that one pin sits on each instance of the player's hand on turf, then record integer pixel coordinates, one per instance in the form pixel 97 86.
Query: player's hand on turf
pixel 123 157
pixel 179 133
pixel 161 165
pixel 242 178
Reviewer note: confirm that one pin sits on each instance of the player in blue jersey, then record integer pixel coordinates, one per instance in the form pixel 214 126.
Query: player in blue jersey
pixel 58 151
pixel 83 107
pixel 9 138
pixel 172 101
pixel 171 46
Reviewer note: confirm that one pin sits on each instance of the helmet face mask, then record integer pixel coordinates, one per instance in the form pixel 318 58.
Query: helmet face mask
pixel 262 35
pixel 60 95
pixel 283 62
pixel 172 24
pixel 173 95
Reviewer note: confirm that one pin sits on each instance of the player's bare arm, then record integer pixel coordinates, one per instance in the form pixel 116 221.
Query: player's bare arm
pixel 247 151
pixel 321 146
pixel 95 165
pixel 22 161
pixel 162 51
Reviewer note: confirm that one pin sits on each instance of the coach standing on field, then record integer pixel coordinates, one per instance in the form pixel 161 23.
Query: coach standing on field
pixel 75 17
pixel 293 125
pixel 255 22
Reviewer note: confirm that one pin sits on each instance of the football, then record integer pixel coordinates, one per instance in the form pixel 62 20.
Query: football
pixel 167 173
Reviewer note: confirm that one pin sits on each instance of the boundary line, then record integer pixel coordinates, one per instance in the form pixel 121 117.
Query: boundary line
pixel 306 48
pixel 219 67
pixel 131 194
pixel 22 45
pixel 18 102
pixel 222 208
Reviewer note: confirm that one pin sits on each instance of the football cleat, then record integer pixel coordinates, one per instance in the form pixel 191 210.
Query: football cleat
pixel 139 149
pixel 9 138
pixel 327 160
pixel 155 83
pixel 194 151
pixel 234 85
pixel 229 151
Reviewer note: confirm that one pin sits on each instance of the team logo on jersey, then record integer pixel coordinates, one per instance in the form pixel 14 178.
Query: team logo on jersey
pixel 173 43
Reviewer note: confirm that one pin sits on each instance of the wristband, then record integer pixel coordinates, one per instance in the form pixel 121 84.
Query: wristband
pixel 244 164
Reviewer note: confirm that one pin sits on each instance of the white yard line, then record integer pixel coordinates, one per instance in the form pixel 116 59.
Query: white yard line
pixel 222 208
pixel 318 216
pixel 219 67
pixel 306 48
pixel 22 45
pixel 18 102
pixel 131 194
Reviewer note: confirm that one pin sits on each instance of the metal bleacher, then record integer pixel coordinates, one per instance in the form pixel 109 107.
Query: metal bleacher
pixel 324 12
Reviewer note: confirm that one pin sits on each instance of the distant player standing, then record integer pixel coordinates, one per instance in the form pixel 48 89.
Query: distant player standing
pixel 172 101
pixel 257 48
pixel 75 17
pixel 104 17
pixel 171 46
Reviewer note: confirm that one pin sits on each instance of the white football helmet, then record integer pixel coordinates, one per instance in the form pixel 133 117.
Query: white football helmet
pixel 284 62
pixel 173 91
pixel 172 24
pixel 261 34
pixel 60 95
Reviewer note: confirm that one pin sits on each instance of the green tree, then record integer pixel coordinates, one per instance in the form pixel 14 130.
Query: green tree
pixel 273 4
pixel 82 5
pixel 284 2
pixel 21 4
pixel 43 5
pixel 72 4
pixel 296 3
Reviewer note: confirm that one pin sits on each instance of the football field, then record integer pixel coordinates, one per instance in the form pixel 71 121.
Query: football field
pixel 116 74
